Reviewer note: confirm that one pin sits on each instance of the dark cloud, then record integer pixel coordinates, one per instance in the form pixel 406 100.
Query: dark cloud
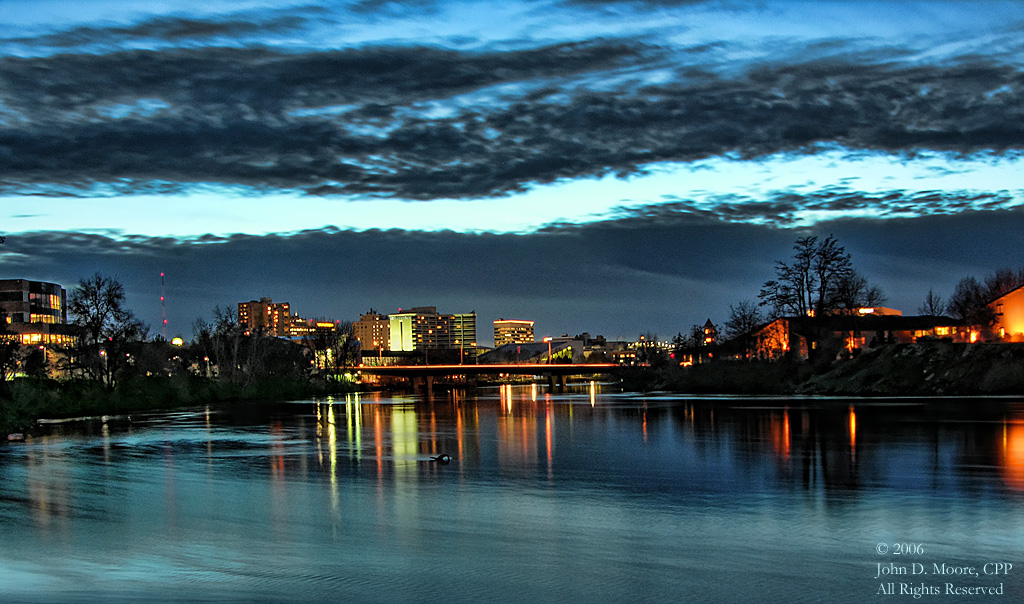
pixel 425 123
pixel 647 272
pixel 393 7
pixel 178 29
pixel 640 3
pixel 787 209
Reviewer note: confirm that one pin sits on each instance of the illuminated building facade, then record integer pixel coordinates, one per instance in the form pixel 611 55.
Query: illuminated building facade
pixel 35 311
pixel 710 334
pixel 373 331
pixel 423 328
pixel 1009 311
pixel 301 328
pixel 464 331
pixel 23 301
pixel 801 336
pixel 264 314
pixel 512 331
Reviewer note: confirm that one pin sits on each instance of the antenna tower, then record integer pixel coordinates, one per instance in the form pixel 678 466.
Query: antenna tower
pixel 163 309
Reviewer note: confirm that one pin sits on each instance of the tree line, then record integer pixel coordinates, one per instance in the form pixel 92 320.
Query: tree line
pixel 111 345
pixel 820 280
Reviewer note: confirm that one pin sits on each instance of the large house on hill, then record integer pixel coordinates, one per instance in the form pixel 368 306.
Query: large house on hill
pixel 804 336
pixel 1009 314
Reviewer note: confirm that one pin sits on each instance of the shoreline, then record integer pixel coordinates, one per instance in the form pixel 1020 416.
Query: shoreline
pixel 933 371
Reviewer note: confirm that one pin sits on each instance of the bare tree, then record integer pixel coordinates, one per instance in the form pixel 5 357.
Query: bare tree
pixel 323 342
pixel 1003 281
pixel 743 319
pixel 932 306
pixel 808 283
pixel 832 265
pixel 852 291
pixel 969 303
pixel 105 326
pixel 347 347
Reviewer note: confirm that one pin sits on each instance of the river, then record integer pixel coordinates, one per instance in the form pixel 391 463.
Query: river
pixel 587 496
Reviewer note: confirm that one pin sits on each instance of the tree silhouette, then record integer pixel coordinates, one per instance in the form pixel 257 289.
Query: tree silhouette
pixel 106 327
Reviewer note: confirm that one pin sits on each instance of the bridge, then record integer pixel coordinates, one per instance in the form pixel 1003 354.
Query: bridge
pixel 423 376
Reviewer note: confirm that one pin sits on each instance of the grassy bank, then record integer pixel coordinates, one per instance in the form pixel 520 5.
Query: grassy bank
pixel 728 377
pixel 26 399
pixel 926 369
pixel 935 368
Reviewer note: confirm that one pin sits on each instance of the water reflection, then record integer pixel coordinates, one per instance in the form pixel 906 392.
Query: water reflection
pixel 715 443
pixel 339 498
pixel 1012 452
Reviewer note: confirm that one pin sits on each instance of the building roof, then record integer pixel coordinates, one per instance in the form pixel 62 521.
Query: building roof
pixel 868 323
pixel 523 353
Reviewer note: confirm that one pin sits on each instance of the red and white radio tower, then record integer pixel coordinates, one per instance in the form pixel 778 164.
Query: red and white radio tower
pixel 163 309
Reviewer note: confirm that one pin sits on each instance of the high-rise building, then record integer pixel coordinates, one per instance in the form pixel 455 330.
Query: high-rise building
pixel 373 331
pixel 423 328
pixel 512 331
pixel 464 331
pixel 264 314
pixel 35 311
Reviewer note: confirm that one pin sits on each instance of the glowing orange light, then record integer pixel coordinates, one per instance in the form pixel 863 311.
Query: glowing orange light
pixel 548 435
pixel 853 430
pixel 785 434
pixel 1013 456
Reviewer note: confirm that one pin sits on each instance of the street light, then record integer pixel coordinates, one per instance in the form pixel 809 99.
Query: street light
pixel 548 340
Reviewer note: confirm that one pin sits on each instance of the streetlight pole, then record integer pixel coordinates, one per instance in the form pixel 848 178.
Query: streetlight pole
pixel 548 340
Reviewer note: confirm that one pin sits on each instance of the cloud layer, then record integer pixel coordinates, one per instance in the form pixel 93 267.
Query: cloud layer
pixel 426 122
pixel 620 278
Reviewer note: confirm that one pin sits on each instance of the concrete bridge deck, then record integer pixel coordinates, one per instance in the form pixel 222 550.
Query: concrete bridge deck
pixel 492 369
pixel 422 376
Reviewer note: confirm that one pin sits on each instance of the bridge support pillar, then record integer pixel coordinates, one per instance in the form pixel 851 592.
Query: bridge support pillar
pixel 424 385
pixel 561 383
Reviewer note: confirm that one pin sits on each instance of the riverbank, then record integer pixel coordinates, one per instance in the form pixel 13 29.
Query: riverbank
pixel 27 400
pixel 932 368
pixel 924 369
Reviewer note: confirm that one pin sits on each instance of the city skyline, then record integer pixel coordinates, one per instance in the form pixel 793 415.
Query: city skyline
pixel 613 167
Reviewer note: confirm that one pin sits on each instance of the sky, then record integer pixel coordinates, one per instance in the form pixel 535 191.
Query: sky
pixel 611 167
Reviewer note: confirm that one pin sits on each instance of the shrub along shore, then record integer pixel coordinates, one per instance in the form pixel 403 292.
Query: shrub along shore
pixel 923 369
pixel 26 400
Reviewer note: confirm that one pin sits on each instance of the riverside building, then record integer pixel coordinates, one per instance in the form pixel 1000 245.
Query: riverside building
pixel 512 331
pixel 35 311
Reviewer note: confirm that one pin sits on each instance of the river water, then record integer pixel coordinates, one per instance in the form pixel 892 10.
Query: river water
pixel 587 496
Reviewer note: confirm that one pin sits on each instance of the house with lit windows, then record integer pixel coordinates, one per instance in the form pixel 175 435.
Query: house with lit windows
pixel 803 337
pixel 1009 316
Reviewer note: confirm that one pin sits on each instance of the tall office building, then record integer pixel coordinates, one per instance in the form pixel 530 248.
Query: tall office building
pixel 264 314
pixel 373 331
pixel 464 331
pixel 423 328
pixel 512 331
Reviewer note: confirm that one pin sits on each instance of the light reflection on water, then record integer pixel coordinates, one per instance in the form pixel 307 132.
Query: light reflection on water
pixel 584 496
